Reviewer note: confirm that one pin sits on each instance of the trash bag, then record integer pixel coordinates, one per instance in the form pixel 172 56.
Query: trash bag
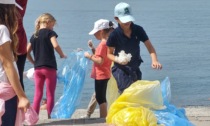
pixel 145 93
pixel 111 92
pixel 72 74
pixel 132 106
pixel 134 116
pixel 171 115
pixel 168 118
pixel 166 90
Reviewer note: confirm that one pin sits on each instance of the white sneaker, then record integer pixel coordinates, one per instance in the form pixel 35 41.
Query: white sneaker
pixel 85 117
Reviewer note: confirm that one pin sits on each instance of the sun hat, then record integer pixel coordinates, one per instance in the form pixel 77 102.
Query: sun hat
pixel 123 12
pixel 10 2
pixel 100 25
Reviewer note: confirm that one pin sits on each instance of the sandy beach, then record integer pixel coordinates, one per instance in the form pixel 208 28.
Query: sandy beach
pixel 198 115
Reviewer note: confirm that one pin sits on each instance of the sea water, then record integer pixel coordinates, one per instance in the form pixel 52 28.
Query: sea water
pixel 178 29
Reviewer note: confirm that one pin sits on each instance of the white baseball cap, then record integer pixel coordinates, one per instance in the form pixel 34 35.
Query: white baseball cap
pixel 10 2
pixel 123 12
pixel 100 25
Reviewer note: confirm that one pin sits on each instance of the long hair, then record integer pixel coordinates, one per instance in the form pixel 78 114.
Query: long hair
pixel 9 17
pixel 44 18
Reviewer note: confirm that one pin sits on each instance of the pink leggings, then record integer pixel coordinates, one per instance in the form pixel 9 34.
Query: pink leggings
pixel 47 75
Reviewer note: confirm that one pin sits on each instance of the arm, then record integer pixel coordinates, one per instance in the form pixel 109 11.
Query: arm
pixel 151 50
pixel 29 57
pixel 90 44
pixel 114 58
pixel 110 54
pixel 96 59
pixel 57 47
pixel 7 60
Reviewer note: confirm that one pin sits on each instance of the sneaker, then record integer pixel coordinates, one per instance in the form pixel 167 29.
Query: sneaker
pixel 85 117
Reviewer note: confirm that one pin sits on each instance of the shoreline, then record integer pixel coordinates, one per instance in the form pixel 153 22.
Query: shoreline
pixel 198 115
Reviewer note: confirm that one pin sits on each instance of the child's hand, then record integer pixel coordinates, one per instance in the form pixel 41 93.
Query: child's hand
pixel 90 44
pixel 63 56
pixel 23 103
pixel 87 55
pixel 156 65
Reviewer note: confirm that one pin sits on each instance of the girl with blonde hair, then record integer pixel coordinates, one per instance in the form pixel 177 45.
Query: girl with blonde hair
pixel 43 43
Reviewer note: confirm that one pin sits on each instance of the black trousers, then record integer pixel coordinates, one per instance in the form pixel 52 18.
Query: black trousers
pixel 9 117
pixel 20 65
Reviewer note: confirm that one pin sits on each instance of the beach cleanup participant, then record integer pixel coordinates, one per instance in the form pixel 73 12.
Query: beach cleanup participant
pixel 12 96
pixel 43 43
pixel 125 41
pixel 101 71
pixel 22 40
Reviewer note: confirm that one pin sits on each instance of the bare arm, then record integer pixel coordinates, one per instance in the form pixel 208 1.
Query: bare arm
pixel 29 57
pixel 90 44
pixel 7 60
pixel 110 54
pixel 93 50
pixel 153 55
pixel 96 59
pixel 57 47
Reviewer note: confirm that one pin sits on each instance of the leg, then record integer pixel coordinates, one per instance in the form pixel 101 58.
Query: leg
pixel 39 86
pixel 20 65
pixel 103 110
pixel 50 89
pixel 100 89
pixel 92 105
pixel 9 117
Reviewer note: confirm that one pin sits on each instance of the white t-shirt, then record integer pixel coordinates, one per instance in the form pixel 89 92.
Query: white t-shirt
pixel 4 37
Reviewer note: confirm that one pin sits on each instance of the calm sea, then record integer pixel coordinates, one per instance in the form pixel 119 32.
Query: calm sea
pixel 178 29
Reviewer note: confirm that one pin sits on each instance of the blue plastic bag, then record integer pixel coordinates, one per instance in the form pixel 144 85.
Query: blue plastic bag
pixel 72 75
pixel 171 116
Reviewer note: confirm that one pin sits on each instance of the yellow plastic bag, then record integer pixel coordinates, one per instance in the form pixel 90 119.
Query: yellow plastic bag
pixel 121 114
pixel 112 91
pixel 134 116
pixel 132 106
pixel 145 93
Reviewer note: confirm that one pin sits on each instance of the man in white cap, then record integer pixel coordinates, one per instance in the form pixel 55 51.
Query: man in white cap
pixel 127 37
